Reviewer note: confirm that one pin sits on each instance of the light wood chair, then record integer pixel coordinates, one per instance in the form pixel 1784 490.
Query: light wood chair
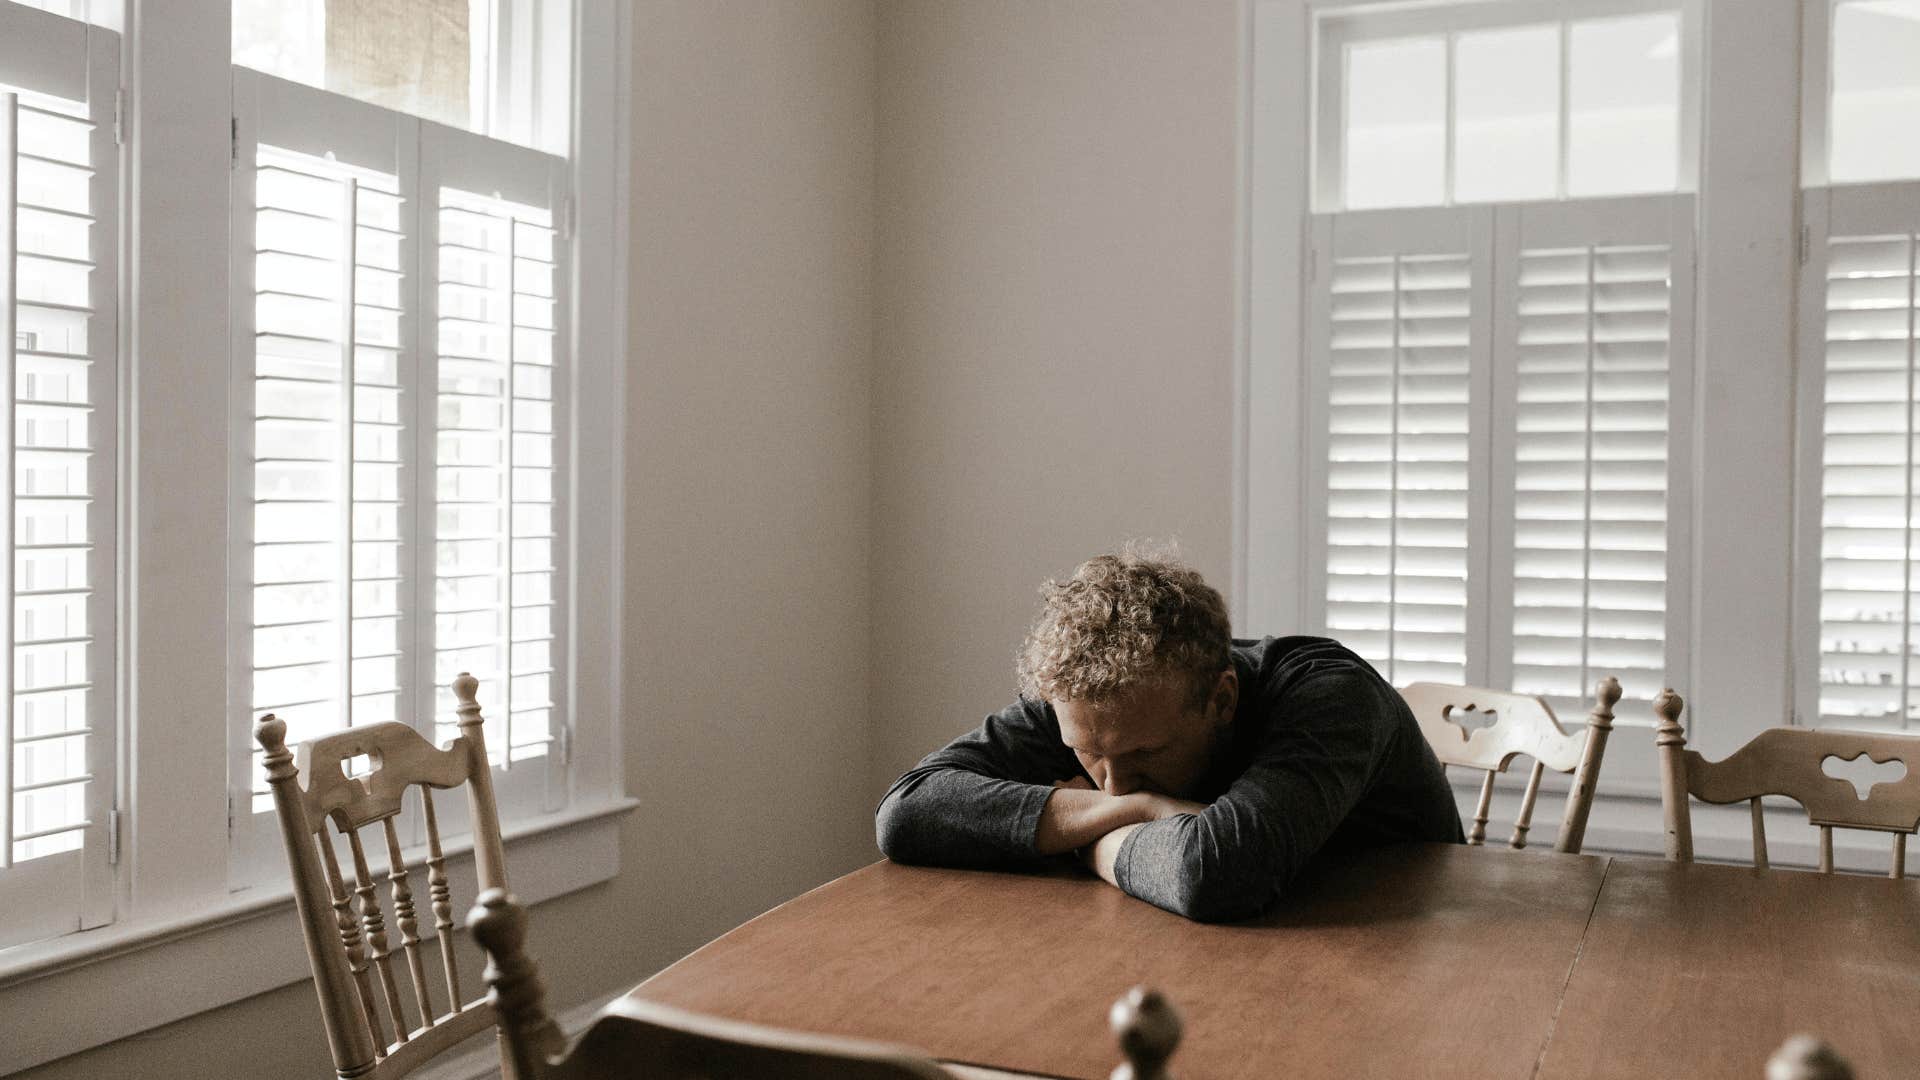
pixel 368 1030
pixel 1788 761
pixel 1517 724
pixel 631 1039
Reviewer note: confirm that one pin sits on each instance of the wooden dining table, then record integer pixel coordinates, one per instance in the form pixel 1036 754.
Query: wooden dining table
pixel 1418 960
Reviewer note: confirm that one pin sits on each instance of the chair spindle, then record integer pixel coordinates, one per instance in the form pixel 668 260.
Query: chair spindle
pixel 1826 849
pixel 350 939
pixel 375 924
pixel 408 924
pixel 1478 834
pixel 1899 856
pixel 442 897
pixel 1525 821
pixel 1759 834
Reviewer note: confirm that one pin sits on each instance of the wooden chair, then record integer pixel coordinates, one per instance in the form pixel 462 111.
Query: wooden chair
pixel 1788 761
pixel 1517 724
pixel 630 1039
pixel 345 930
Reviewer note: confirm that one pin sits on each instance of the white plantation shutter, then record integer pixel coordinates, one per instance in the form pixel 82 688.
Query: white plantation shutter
pixel 1494 458
pixel 1591 346
pixel 58 209
pixel 327 438
pixel 1400 325
pixel 323 403
pixel 1860 337
pixel 403 310
pixel 498 449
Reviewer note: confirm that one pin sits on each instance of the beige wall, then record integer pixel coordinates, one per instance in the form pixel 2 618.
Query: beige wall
pixel 1054 340
pixel 746 635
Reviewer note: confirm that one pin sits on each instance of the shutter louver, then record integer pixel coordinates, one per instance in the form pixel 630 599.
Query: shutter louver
pixel 1398 463
pixel 1867 483
pixel 327 438
pixel 58 482
pixel 495 526
pixel 1590 470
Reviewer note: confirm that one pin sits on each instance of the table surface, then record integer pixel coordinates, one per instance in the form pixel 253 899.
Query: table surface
pixel 1416 960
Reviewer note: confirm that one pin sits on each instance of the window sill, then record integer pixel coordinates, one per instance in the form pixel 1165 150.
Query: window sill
pixel 245 946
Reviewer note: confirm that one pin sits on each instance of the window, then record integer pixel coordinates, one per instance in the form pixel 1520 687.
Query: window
pixel 1494 493
pixel 402 317
pixel 495 67
pixel 1861 208
pixel 1485 103
pixel 58 289
pixel 1875 91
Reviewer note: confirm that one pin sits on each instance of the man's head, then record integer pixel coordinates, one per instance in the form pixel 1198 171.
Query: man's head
pixel 1133 652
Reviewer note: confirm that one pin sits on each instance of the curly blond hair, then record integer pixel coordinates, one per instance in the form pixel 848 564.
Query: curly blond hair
pixel 1125 620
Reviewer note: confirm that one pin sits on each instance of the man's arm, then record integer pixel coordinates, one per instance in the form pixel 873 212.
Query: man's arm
pixel 1005 795
pixel 1077 815
pixel 979 801
pixel 1232 859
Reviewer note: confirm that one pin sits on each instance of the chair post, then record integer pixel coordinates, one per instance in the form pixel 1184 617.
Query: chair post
pixel 1148 1029
pixel 1672 743
pixel 489 858
pixel 514 987
pixel 347 1036
pixel 1573 825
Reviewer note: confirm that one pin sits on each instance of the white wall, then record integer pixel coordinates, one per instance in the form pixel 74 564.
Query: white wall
pixel 746 638
pixel 1054 346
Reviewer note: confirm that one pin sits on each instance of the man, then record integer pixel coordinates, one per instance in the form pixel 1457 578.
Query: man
pixel 1193 771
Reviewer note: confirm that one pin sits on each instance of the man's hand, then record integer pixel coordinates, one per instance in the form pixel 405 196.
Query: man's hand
pixel 1101 855
pixel 1076 815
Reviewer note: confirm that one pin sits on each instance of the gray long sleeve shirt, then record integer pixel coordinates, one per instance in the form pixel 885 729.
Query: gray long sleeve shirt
pixel 1322 755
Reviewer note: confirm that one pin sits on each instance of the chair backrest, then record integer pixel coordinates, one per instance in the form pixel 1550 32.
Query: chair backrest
pixel 369 1030
pixel 1790 762
pixel 631 1037
pixel 1511 725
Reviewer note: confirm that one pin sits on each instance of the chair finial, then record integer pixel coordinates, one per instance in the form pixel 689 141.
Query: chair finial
pixel 466 688
pixel 1148 1029
pixel 1667 705
pixel 271 733
pixel 1606 694
pixel 514 986
pixel 1804 1057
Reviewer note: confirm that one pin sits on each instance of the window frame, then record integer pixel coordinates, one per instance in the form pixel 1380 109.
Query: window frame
pixel 1335 25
